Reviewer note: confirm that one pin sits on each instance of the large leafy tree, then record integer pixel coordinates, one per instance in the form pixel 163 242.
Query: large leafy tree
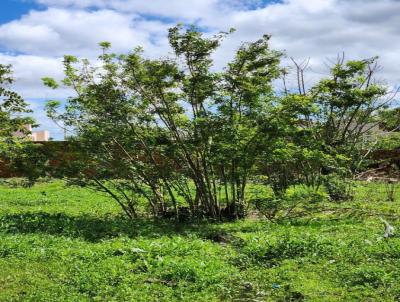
pixel 171 131
pixel 182 138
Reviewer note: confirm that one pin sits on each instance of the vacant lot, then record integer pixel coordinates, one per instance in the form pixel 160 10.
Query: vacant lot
pixel 69 244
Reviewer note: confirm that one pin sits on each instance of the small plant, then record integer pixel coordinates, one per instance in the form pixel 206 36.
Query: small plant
pixel 268 206
pixel 17 183
pixel 391 182
pixel 289 205
pixel 339 188
pixel 390 189
pixel 306 194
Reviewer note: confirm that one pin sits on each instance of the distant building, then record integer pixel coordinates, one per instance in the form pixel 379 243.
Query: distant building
pixel 36 136
pixel 40 136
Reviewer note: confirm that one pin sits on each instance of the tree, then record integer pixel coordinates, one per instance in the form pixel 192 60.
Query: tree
pixel 171 131
pixel 318 137
pixel 13 120
pixel 178 137
pixel 327 129
pixel 11 107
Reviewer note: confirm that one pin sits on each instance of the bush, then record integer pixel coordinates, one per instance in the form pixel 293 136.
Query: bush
pixel 269 250
pixel 389 142
pixel 16 183
pixel 306 194
pixel 339 189
pixel 290 205
pixel 267 206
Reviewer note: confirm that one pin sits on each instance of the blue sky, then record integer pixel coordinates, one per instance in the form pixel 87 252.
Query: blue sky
pixel 35 34
pixel 13 9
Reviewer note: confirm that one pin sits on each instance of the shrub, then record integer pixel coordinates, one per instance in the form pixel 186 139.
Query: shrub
pixel 291 204
pixel 339 189
pixel 306 194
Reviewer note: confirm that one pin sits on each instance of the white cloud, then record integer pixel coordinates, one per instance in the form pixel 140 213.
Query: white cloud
pixel 321 29
pixel 28 71
pixel 54 32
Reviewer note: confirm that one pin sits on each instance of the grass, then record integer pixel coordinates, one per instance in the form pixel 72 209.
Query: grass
pixel 68 244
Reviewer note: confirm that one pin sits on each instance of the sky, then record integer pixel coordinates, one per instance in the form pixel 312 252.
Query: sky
pixel 35 34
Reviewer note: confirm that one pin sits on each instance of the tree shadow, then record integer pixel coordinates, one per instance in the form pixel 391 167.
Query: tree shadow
pixel 93 228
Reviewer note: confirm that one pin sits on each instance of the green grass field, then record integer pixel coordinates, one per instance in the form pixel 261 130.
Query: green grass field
pixel 68 244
